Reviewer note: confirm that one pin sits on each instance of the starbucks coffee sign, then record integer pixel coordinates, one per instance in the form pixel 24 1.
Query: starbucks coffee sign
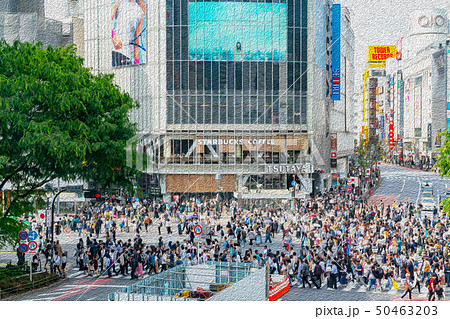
pixel 289 168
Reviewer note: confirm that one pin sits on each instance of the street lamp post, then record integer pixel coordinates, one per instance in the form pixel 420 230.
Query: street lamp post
pixel 49 187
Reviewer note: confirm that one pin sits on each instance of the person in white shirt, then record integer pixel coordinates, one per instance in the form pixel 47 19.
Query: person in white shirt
pixel 57 263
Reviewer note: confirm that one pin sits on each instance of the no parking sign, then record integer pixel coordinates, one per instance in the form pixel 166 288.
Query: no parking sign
pixel 23 235
pixel 198 229
pixel 23 248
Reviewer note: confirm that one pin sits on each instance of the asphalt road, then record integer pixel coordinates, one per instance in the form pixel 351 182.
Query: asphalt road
pixel 405 185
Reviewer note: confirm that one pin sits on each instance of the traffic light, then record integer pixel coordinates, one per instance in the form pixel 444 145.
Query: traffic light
pixel 92 193
pixel 89 194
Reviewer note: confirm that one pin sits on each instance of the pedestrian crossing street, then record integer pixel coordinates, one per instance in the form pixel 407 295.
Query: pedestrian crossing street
pixel 409 177
pixel 360 288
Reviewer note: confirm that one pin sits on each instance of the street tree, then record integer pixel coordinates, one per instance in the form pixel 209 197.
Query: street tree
pixel 443 164
pixel 57 120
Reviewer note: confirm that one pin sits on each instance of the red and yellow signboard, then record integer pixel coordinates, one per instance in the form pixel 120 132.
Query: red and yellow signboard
pixel 381 53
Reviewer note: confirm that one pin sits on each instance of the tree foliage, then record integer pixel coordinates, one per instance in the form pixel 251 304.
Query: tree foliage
pixel 443 163
pixel 57 120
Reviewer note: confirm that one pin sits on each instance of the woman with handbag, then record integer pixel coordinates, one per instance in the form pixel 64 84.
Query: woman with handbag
pixel 407 288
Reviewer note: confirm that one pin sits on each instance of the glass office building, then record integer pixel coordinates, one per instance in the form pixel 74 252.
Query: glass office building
pixel 223 88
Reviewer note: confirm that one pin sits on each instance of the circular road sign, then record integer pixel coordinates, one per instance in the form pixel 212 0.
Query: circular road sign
pixel 198 229
pixel 23 248
pixel 32 245
pixel 294 183
pixel 349 191
pixel 32 235
pixel 23 235
pixel 42 216
pixel 195 214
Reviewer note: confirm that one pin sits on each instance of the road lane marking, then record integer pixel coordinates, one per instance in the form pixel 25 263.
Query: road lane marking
pixel 82 290
pixel 420 190
pixel 404 182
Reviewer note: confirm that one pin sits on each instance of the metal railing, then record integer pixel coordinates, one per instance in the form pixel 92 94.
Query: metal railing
pixel 172 282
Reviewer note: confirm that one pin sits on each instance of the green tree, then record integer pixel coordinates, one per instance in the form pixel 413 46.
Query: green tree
pixel 57 120
pixel 362 157
pixel 443 164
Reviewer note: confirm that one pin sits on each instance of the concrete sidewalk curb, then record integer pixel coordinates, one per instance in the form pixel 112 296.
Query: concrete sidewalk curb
pixel 366 196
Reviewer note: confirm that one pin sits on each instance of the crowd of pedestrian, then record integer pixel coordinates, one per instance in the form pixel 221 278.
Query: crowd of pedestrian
pixel 333 238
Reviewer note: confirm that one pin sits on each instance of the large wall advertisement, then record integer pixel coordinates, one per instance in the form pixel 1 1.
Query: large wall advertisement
pixel 128 32
pixel 336 53
pixel 237 31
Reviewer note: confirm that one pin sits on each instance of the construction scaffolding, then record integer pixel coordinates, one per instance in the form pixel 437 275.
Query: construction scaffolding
pixel 186 283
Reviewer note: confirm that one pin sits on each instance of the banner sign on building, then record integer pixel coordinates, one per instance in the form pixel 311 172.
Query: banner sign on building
pixel 399 49
pixel 429 136
pixel 336 53
pixel 417 95
pixel 333 149
pixel 377 65
pixel 391 134
pixel 381 53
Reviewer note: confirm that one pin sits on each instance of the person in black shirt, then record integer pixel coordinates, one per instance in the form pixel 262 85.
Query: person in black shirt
pixel 439 291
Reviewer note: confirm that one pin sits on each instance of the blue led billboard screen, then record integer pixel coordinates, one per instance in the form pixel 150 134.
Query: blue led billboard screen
pixel 237 31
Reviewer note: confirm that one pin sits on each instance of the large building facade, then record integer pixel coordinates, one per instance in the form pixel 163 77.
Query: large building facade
pixel 343 115
pixel 25 21
pixel 416 87
pixel 234 96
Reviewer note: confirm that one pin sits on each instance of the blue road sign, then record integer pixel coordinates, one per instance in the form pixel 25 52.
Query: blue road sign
pixel 23 248
pixel 23 235
pixel 32 235
pixel 294 183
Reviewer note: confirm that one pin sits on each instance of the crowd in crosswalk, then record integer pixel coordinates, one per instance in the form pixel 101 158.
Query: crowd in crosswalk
pixel 334 238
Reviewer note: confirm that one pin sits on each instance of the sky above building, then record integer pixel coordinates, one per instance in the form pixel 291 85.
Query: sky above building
pixel 375 22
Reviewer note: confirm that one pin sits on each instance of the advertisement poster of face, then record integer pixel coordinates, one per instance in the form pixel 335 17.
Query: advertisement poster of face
pixel 128 32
